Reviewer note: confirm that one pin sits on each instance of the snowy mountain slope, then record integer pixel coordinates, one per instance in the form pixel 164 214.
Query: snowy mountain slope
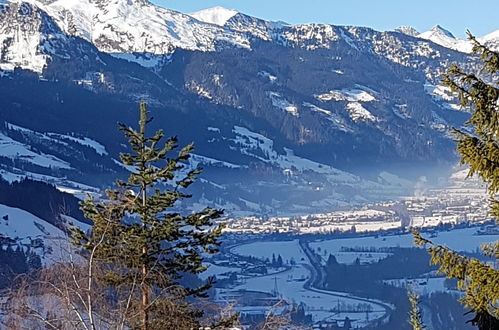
pixel 253 144
pixel 33 233
pixel 54 158
pixel 443 37
pixel 491 40
pixel 136 26
pixel 409 30
pixel 59 138
pixel 31 39
pixel 18 151
pixel 124 27
pixel 27 36
pixel 216 15
pixel 22 225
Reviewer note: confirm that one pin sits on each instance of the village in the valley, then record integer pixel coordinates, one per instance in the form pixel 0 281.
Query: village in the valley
pixel 461 200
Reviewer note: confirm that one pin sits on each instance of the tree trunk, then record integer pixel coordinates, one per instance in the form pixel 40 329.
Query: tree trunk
pixel 145 296
pixel 145 286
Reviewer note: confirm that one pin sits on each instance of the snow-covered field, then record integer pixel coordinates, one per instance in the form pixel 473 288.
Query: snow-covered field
pixel 291 285
pixel 322 305
pixel 459 240
pixel 422 286
pixel 350 257
pixel 215 270
pixel 286 249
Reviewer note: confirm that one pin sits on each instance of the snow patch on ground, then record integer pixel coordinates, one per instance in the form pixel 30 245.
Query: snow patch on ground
pixel 200 90
pixel 355 97
pixel 99 148
pixel 443 95
pixel 22 224
pixel 267 75
pixel 401 111
pixel 337 120
pixel 215 270
pixel 359 113
pixel 422 286
pixel 279 102
pixel 79 190
pixel 349 95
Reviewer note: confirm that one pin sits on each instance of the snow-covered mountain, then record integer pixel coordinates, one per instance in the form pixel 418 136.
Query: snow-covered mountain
pixel 285 118
pixel 491 40
pixel 443 37
pixel 135 26
pixel 27 35
pixel 216 15
pixel 138 26
pixel 409 30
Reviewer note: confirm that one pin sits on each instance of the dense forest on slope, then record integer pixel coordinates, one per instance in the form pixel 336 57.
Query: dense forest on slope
pixel 41 199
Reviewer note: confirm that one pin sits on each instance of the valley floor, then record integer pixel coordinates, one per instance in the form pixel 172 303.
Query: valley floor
pixel 298 280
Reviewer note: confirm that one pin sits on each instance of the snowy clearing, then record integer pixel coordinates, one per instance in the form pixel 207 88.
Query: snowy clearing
pixel 458 240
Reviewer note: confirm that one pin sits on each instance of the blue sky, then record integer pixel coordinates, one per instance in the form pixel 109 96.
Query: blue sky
pixel 480 17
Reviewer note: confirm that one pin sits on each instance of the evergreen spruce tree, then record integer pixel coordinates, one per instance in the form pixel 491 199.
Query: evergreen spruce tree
pixel 479 149
pixel 415 316
pixel 143 245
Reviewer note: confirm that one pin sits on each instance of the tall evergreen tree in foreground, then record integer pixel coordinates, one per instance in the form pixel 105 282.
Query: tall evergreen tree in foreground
pixel 479 149
pixel 144 246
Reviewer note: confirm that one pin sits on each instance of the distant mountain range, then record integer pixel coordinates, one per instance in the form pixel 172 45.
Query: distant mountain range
pixel 287 119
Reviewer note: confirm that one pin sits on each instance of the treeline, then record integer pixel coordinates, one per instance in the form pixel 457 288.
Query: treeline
pixel 357 277
pixel 41 199
pixel 81 157
pixel 14 262
pixel 367 280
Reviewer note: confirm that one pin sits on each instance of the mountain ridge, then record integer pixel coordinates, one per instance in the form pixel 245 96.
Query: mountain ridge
pixel 287 118
pixel 124 27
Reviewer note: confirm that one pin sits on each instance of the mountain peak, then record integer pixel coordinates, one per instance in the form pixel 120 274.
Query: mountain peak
pixel 443 37
pixel 439 29
pixel 490 36
pixel 215 15
pixel 408 30
pixel 136 26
